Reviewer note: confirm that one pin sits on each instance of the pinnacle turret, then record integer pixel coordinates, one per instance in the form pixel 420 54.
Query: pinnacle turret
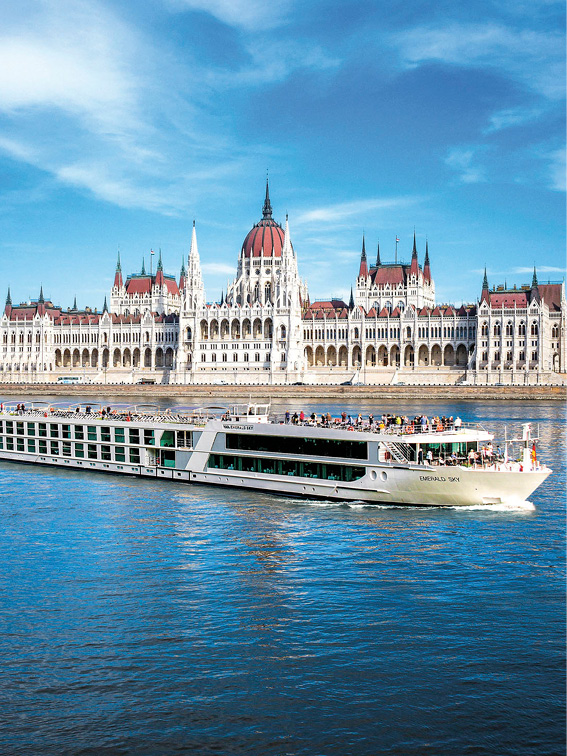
pixel 351 300
pixel 534 279
pixel 118 273
pixel 363 269
pixel 378 262
pixel 143 271
pixel 267 209
pixel 8 297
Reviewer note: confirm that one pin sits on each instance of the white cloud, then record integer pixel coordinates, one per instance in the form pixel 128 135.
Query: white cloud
pixel 246 14
pixel 460 159
pixel 534 58
pixel 344 211
pixel 558 169
pixel 505 119
pixel 218 269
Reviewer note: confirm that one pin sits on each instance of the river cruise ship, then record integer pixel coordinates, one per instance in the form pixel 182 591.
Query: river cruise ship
pixel 420 464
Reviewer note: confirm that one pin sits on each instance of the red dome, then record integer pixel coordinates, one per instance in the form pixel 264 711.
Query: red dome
pixel 267 237
pixel 264 240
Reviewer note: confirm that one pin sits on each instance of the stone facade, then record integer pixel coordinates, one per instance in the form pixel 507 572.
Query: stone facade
pixel 265 330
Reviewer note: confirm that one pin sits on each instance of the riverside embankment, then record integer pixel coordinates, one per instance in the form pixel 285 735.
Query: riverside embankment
pixel 352 393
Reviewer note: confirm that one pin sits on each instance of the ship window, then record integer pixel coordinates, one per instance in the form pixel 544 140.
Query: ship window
pixel 135 456
pixel 42 447
pixel 55 447
pixel 119 454
pixel 134 435
pixel 119 435
pixel 149 439
pixel 184 439
pixel 80 450
pixel 66 449
pixel 105 434
pixel 105 453
pixel 42 429
pixel 10 443
pixel 91 450
pixel 1 442
pixel 65 431
pixel 9 426
pixel 91 432
pixel 53 430
pixel 31 445
pixel 31 429
pixel 79 432
pixel 313 447
pixel 20 429
pixel 168 438
pixel 20 443
pixel 319 470
pixel 167 458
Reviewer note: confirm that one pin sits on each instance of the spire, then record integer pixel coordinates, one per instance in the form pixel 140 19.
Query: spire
pixel 143 271
pixel 41 300
pixel 159 280
pixel 221 298
pixel 378 262
pixel 75 303
pixel 534 293
pixel 287 249
pixel 105 306
pixel 426 267
pixel 363 270
pixel 194 250
pixel 351 300
pixel 8 308
pixel 267 209
pixel 194 289
pixel 414 267
pixel 485 296
pixel 182 275
pixel 118 273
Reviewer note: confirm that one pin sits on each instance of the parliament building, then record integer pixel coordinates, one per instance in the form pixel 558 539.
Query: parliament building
pixel 265 329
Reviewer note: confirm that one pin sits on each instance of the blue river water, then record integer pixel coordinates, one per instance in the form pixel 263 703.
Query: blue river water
pixel 142 617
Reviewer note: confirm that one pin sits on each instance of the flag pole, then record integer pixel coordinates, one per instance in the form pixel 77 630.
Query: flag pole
pixel 396 258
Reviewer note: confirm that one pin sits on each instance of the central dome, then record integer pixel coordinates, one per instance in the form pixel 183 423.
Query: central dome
pixel 266 238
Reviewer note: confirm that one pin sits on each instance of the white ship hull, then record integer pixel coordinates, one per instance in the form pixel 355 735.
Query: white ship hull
pixel 218 447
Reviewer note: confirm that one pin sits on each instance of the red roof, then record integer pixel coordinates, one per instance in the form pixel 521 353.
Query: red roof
pixel 389 274
pixel 143 285
pixel 265 239
pixel 509 299
pixel 551 295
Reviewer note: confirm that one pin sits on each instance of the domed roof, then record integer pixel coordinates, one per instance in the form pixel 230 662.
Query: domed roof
pixel 266 238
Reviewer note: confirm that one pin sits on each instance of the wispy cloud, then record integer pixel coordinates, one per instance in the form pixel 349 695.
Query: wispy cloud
pixel 246 14
pixel 510 117
pixel 344 211
pixel 461 160
pixel 218 269
pixel 534 58
pixel 557 169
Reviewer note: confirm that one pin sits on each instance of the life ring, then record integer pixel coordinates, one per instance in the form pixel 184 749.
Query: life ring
pixel 410 429
pixel 350 427
pixel 439 428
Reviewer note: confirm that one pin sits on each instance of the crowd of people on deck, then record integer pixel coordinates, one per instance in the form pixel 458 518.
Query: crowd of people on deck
pixel 386 422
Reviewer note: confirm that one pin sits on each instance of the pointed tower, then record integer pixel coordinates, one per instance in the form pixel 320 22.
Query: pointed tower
pixel 75 304
pixel 41 302
pixel 426 266
pixel 414 267
pixel 534 291
pixel 378 261
pixel 8 307
pixel 194 289
pixel 351 301
pixel 159 272
pixel 105 306
pixel 182 275
pixel 143 271
pixel 267 209
pixel 118 283
pixel 363 269
pixel 485 295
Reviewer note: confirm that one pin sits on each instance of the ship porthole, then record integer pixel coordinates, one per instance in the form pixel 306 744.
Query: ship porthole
pixel 373 474
pixel 383 475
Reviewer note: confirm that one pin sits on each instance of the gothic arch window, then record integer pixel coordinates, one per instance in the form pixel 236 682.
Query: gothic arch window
pixel 509 328
pixel 497 329
pixel 534 329
pixel 555 332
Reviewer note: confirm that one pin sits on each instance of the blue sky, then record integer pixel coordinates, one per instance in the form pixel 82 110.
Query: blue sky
pixel 122 122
